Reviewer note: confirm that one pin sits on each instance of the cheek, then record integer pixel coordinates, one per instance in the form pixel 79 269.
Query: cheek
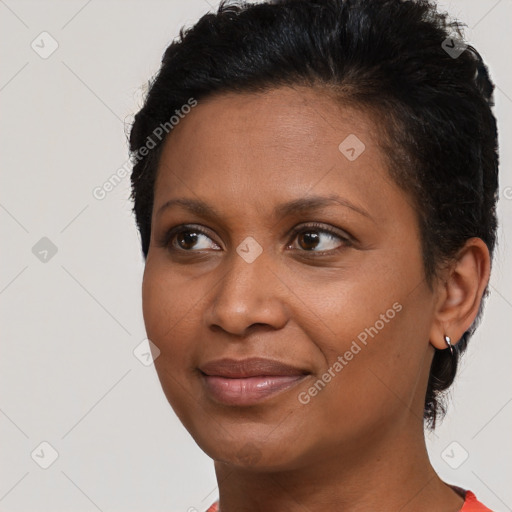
pixel 375 347
pixel 157 305
pixel 378 387
pixel 170 311
pixel 165 301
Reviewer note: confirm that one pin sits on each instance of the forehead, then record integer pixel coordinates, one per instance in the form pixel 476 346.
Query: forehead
pixel 291 123
pixel 259 146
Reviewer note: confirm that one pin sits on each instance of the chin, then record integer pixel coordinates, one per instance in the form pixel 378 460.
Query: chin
pixel 252 455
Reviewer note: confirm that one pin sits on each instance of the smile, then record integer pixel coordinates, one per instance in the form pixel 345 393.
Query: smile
pixel 249 381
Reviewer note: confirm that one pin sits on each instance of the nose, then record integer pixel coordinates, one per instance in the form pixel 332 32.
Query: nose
pixel 247 295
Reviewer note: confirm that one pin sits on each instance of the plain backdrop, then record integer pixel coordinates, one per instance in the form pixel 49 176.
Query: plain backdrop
pixel 72 370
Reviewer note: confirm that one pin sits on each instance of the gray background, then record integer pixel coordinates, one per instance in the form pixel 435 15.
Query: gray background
pixel 72 320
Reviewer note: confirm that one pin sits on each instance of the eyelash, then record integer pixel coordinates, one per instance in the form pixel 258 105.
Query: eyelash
pixel 184 228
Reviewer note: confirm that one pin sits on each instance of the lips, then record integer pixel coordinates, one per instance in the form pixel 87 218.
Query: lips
pixel 253 367
pixel 248 381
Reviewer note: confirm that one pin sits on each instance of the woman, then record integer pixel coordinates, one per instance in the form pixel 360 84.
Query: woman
pixel 318 231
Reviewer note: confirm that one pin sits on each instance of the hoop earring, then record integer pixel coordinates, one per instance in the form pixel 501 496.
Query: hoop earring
pixel 448 341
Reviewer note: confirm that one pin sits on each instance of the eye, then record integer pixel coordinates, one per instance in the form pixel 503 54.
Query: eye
pixel 188 238
pixel 318 239
pixel 314 238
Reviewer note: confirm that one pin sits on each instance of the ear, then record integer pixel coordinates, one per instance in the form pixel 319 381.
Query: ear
pixel 460 292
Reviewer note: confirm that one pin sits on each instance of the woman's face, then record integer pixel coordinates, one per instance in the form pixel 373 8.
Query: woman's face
pixel 295 246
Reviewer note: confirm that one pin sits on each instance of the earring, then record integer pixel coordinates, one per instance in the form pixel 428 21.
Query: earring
pixel 448 341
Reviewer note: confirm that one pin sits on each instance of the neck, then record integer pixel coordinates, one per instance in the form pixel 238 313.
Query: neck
pixel 388 473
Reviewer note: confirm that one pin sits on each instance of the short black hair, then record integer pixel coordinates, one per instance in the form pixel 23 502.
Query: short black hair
pixel 402 61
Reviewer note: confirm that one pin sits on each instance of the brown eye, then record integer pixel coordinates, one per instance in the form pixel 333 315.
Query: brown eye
pixel 318 240
pixel 188 240
pixel 308 240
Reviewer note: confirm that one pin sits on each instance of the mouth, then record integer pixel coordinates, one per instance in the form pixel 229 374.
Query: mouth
pixel 246 382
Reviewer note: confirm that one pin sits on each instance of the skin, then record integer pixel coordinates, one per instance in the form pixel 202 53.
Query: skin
pixel 359 444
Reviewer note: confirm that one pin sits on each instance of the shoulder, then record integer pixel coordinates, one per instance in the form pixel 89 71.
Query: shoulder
pixel 471 504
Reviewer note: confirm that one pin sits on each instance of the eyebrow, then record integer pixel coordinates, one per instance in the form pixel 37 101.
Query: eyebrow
pixel 296 206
